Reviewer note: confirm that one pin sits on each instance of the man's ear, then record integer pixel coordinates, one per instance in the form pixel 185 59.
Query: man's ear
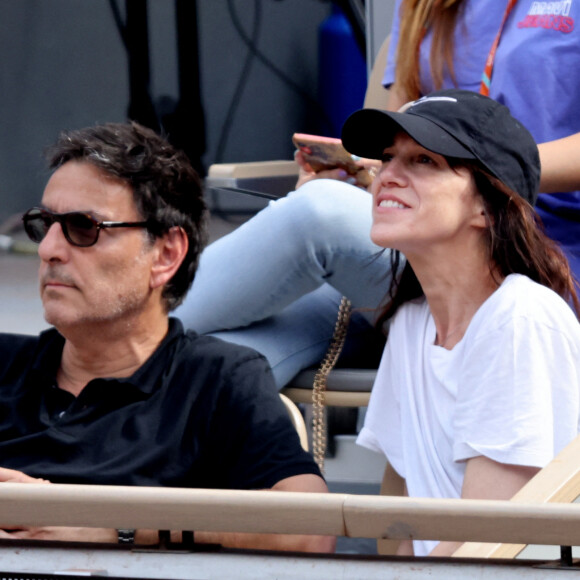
pixel 170 251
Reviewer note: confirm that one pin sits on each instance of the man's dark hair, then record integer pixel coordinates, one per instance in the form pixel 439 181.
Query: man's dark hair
pixel 166 188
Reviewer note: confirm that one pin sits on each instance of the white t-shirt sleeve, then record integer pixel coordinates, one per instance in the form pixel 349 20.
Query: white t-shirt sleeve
pixel 518 395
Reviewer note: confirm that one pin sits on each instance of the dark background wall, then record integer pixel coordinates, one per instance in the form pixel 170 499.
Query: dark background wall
pixel 64 65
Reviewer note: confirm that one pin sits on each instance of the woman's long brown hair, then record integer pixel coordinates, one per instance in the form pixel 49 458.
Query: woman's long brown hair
pixel 415 18
pixel 517 245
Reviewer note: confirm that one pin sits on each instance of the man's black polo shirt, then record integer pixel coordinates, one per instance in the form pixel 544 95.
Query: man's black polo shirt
pixel 199 413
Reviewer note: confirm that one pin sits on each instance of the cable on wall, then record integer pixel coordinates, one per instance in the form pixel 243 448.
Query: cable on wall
pixel 276 70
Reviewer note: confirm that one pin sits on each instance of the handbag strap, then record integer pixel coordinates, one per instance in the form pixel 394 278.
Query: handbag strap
pixel 319 436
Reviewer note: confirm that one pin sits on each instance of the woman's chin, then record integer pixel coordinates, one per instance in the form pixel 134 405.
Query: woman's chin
pixel 383 236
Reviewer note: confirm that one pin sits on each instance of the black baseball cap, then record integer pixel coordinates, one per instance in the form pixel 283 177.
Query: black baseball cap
pixel 454 123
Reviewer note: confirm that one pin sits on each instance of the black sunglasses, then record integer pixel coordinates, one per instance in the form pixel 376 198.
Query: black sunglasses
pixel 80 229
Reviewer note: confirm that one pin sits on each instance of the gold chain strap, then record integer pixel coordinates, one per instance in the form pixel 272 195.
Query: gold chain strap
pixel 319 386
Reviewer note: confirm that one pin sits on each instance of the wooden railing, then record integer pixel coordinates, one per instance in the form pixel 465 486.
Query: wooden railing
pixel 294 513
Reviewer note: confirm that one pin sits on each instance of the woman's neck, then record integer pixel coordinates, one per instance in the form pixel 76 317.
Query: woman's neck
pixel 455 293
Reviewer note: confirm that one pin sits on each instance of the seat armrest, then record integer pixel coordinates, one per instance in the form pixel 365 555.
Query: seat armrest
pixel 272 177
pixel 253 169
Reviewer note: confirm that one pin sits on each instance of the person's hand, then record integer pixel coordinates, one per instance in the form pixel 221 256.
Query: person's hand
pixel 368 166
pixel 369 169
pixel 59 534
pixel 45 533
pixel 14 476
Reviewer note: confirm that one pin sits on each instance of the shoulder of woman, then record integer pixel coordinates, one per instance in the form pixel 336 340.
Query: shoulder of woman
pixel 522 303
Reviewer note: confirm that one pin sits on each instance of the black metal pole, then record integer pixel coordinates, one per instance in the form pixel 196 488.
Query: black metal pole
pixel 140 108
pixel 185 126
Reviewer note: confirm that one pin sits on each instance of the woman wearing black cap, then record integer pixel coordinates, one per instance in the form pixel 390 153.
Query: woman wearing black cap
pixel 479 385
pixel 275 283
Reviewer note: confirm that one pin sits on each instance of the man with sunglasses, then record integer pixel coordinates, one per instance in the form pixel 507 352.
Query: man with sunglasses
pixel 117 393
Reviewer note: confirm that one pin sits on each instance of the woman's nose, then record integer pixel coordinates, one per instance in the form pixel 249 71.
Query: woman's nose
pixel 392 172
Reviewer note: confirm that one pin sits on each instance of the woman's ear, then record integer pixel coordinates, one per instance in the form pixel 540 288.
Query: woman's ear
pixel 170 251
pixel 481 219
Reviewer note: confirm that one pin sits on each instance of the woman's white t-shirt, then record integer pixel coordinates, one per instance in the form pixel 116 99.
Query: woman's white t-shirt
pixel 509 390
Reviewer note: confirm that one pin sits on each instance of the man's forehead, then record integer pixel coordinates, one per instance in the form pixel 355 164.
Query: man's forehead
pixel 81 186
pixel 82 169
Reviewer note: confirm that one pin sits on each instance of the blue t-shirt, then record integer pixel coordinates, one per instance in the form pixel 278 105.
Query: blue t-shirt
pixel 535 76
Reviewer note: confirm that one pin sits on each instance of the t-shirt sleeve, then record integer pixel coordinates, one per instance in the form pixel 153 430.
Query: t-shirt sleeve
pixel 389 76
pixel 518 396
pixel 253 433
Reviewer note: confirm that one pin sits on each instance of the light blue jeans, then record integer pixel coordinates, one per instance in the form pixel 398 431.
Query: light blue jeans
pixel 275 283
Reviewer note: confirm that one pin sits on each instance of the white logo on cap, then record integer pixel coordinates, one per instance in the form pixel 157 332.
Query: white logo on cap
pixel 425 100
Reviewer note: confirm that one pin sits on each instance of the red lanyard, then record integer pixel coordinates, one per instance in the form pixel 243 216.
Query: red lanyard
pixel 486 77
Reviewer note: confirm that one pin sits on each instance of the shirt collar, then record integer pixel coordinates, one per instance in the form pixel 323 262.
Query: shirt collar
pixel 145 378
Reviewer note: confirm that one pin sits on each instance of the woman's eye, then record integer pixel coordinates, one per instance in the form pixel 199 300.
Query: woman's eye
pixel 425 159
pixel 386 157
